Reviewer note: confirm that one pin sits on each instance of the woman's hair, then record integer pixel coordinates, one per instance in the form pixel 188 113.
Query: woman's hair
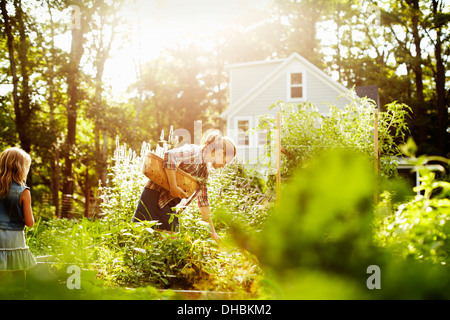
pixel 14 166
pixel 214 141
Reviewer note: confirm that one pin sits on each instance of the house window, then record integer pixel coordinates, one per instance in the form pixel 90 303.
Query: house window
pixel 243 127
pixel 263 131
pixel 296 85
pixel 262 137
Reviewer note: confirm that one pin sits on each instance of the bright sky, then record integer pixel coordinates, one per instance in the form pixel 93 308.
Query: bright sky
pixel 160 23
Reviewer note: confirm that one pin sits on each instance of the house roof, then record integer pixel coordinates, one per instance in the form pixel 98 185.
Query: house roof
pixel 272 76
pixel 253 63
pixel 370 92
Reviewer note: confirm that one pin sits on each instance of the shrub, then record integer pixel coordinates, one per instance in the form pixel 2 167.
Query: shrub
pixel 129 254
pixel 318 243
pixel 420 228
pixel 305 133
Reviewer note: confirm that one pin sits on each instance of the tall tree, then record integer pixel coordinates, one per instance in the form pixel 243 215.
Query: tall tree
pixel 407 16
pixel 175 92
pixel 53 58
pixel 12 61
pixel 416 27
pixel 302 17
pixel 440 22
pixel 104 21
pixel 86 9
pixel 20 78
pixel 103 24
pixel 55 155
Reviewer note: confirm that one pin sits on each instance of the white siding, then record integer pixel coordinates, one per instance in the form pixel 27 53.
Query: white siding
pixel 260 104
pixel 320 93
pixel 244 78
pixel 317 92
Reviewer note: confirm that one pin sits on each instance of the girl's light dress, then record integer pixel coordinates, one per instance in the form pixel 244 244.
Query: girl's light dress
pixel 14 253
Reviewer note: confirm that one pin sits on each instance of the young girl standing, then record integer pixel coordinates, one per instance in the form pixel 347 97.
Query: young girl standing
pixel 15 211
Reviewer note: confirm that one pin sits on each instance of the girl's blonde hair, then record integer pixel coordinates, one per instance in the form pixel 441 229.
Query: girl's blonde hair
pixel 14 166
pixel 214 141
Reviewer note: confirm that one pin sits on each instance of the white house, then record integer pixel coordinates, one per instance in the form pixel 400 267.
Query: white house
pixel 255 86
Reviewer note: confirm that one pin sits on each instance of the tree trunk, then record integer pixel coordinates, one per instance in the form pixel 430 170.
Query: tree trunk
pixel 21 102
pixel 24 128
pixel 101 131
pixel 442 110
pixel 12 63
pixel 417 69
pixel 73 77
pixel 87 193
pixel 54 151
pixel 22 107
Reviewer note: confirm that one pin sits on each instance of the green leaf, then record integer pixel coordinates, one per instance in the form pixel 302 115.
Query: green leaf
pixel 410 148
pixel 140 250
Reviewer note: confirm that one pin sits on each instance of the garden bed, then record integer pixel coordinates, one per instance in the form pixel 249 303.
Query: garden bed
pixel 135 255
pixel 50 279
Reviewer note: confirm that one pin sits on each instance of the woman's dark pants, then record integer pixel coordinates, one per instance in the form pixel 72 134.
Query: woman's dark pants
pixel 148 209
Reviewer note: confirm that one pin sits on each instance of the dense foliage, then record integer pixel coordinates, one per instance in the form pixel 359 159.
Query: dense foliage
pixel 319 242
pixel 305 132
pixel 419 228
pixel 316 243
pixel 57 101
pixel 137 255
pixel 57 105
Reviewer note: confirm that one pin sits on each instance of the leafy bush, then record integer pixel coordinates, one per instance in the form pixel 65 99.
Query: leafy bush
pixel 420 228
pixel 129 254
pixel 305 133
pixel 66 241
pixel 320 231
pixel 318 243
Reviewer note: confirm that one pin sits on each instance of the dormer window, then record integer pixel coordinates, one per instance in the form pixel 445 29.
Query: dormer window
pixel 296 85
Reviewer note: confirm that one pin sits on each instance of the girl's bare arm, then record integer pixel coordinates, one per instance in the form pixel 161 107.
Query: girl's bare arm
pixel 25 199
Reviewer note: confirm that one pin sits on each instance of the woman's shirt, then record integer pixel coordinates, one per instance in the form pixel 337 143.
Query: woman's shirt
pixel 188 158
pixel 11 211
